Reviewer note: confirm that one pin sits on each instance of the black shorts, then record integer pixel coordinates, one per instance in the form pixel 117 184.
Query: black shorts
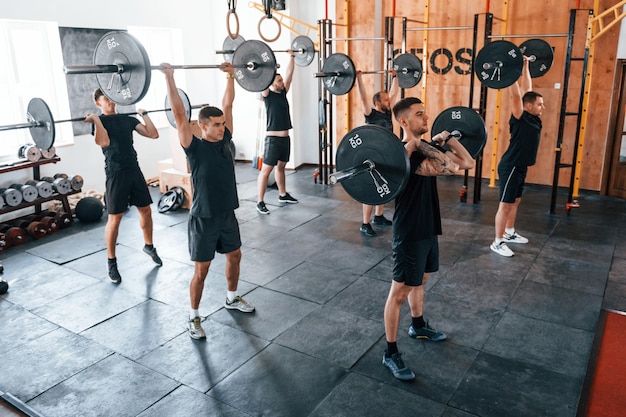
pixel 277 148
pixel 126 188
pixel 215 234
pixel 511 182
pixel 412 259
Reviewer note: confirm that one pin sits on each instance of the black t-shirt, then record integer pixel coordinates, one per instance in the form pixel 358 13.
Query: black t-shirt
pixel 212 177
pixel 379 118
pixel 120 154
pixel 277 111
pixel 525 136
pixel 417 214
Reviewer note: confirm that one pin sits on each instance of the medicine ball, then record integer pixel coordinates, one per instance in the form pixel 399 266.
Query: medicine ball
pixel 89 209
pixel 4 287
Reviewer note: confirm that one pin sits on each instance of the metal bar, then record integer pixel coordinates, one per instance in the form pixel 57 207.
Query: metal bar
pixel 92 69
pixel 19 126
pixel 345 174
pixel 440 28
pixel 355 39
pixel 536 35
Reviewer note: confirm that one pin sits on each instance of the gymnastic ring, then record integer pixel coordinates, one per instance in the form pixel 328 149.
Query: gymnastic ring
pixel 232 35
pixel 261 34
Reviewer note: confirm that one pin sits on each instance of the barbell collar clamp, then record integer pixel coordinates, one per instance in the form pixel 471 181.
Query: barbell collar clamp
pixel 367 166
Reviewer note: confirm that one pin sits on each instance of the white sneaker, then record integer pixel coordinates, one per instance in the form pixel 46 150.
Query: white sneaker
pixel 195 329
pixel 501 249
pixel 239 304
pixel 514 238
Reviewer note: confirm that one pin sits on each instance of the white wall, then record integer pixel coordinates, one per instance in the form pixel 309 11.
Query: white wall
pixel 621 46
pixel 203 26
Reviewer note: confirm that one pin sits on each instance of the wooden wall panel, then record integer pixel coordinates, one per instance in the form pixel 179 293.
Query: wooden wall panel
pixel 451 88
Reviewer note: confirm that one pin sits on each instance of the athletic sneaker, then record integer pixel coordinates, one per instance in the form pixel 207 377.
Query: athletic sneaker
pixel 195 329
pixel 427 332
pixel 397 367
pixel 114 274
pixel 367 230
pixel 153 254
pixel 501 249
pixel 514 238
pixel 287 198
pixel 260 207
pixel 382 221
pixel 239 304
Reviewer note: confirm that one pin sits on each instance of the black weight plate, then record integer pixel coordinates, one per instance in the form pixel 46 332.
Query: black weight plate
pixel 261 75
pixel 540 56
pixel 342 65
pixel 499 64
pixel 389 156
pixel 408 70
pixel 231 44
pixel 180 197
pixel 131 85
pixel 304 50
pixel 466 121
pixel 186 104
pixel 44 133
pixel 167 201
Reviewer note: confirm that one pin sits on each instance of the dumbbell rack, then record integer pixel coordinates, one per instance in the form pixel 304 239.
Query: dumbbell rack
pixel 37 176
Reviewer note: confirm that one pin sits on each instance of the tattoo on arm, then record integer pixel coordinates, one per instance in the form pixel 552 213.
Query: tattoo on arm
pixel 436 162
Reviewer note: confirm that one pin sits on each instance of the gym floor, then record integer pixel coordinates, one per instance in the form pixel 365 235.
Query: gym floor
pixel 520 330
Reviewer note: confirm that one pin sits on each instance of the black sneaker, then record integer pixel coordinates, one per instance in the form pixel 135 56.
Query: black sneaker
pixel 260 207
pixel 382 221
pixel 397 367
pixel 427 332
pixel 114 274
pixel 287 198
pixel 367 230
pixel 152 252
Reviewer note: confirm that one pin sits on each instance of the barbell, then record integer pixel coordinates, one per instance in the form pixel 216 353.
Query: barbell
pixel 339 72
pixel 123 69
pixel 41 123
pixel 302 47
pixel 373 166
pixel 500 63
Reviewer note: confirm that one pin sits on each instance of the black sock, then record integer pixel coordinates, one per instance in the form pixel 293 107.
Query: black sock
pixel 149 246
pixel 112 261
pixel 392 347
pixel 418 322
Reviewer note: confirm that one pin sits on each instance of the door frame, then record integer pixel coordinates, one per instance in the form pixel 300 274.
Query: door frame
pixel 615 127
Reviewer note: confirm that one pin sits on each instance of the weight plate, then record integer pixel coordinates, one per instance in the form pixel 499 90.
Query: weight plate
pixel 12 197
pixel 231 44
pixel 392 166
pixel 44 188
pixel 540 56
pixel 167 201
pixel 180 197
pixel 131 84
pixel 499 64
pixel 48 153
pixel 342 74
pixel 466 121
pixel 29 193
pixel 255 65
pixel 44 133
pixel 304 50
pixel 408 70
pixel 76 182
pixel 186 104
pixel 62 185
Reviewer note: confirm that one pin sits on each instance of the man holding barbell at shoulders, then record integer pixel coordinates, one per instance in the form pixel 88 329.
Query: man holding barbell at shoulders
pixel 379 115
pixel 212 225
pixel 416 226
pixel 125 183
pixel 277 142
pixel 525 128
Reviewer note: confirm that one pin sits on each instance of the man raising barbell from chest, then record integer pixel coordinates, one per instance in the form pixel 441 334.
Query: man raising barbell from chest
pixel 416 226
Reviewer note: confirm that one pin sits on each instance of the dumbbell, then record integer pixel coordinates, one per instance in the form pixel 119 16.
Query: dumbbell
pixel 48 153
pixel 11 196
pixel 13 235
pixel 44 188
pixel 50 222
pixel 63 220
pixel 4 244
pixel 29 152
pixel 34 228
pixel 60 185
pixel 76 181
pixel 29 192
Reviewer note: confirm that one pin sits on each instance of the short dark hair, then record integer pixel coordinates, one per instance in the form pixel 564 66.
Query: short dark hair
pixel 376 97
pixel 530 97
pixel 97 93
pixel 209 111
pixel 403 105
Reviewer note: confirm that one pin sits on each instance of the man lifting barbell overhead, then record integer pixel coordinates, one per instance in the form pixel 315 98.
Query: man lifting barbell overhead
pixel 212 226
pixel 379 115
pixel 416 226
pixel 277 142
pixel 125 183
pixel 525 128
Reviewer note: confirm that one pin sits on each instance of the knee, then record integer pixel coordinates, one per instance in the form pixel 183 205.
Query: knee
pixel 235 256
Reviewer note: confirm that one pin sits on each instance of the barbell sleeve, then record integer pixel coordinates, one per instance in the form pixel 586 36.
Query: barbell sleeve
pixel 19 126
pixel 337 176
pixel 326 74
pixel 93 69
